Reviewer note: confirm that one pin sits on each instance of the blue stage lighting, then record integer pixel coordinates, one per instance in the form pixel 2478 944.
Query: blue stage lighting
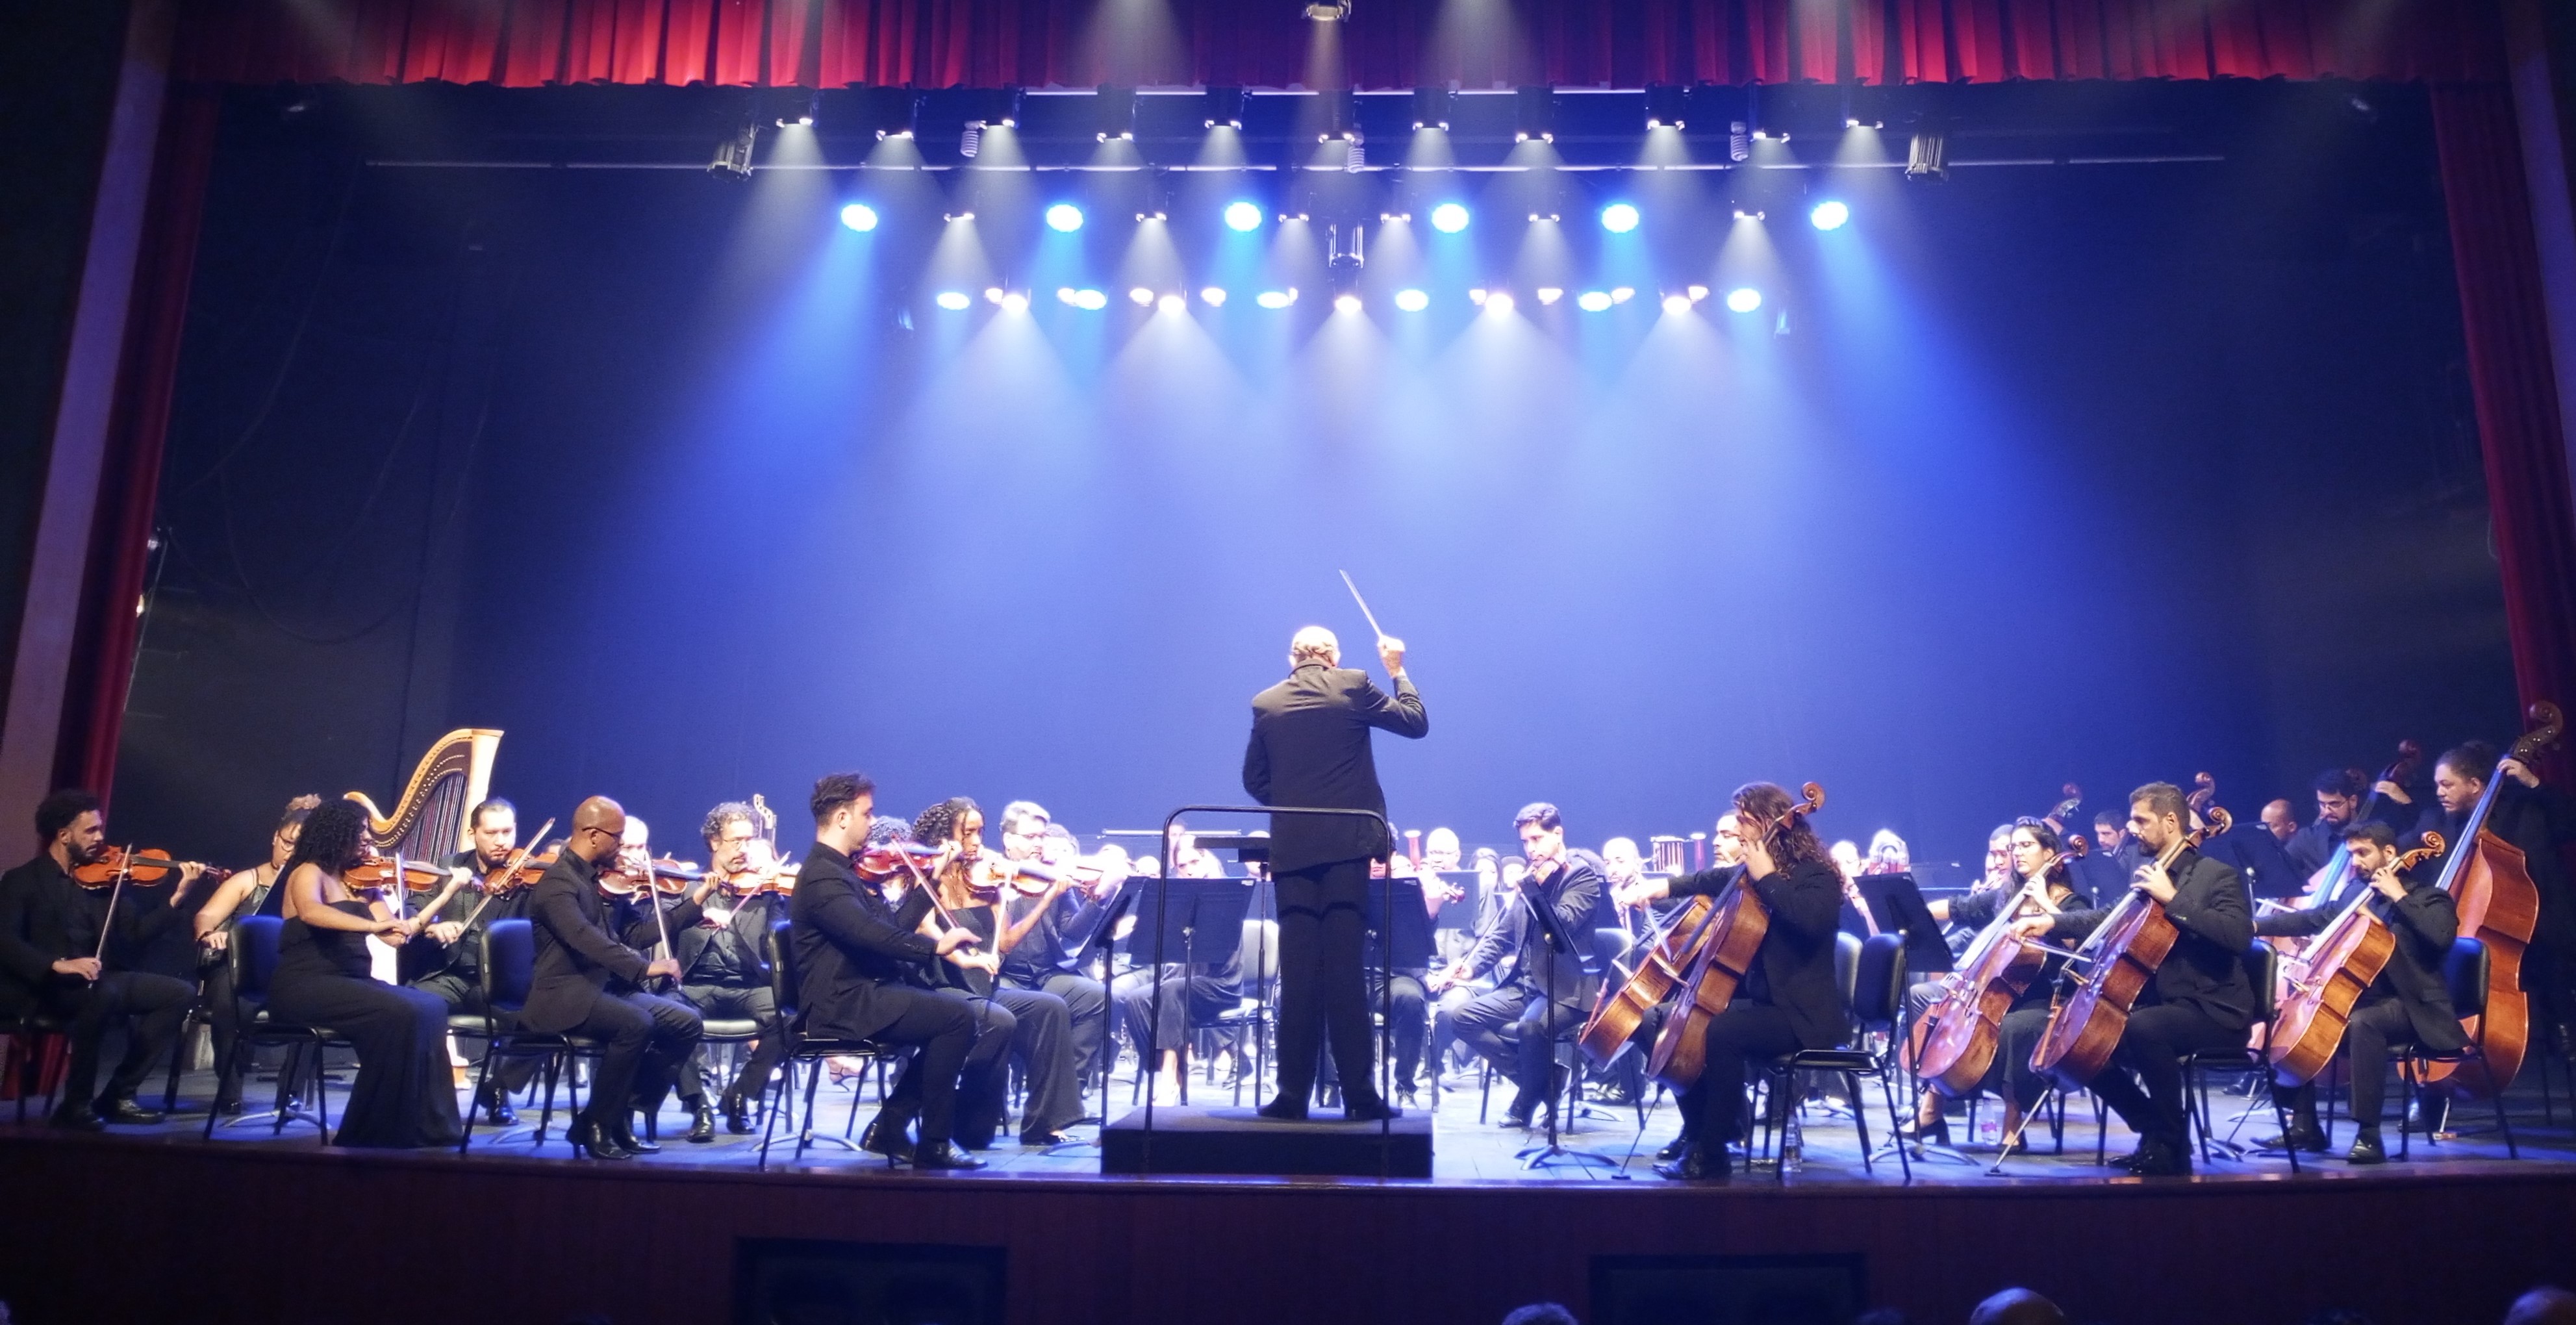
pixel 1412 301
pixel 1213 296
pixel 860 217
pixel 1744 299
pixel 1064 218
pixel 1829 215
pixel 1593 301
pixel 1275 299
pixel 1449 218
pixel 955 301
pixel 1243 217
pixel 1088 300
pixel 1619 218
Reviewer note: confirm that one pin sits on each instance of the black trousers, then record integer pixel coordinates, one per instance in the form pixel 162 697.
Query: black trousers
pixel 735 1003
pixel 951 1036
pixel 1042 1040
pixel 2375 1029
pixel 156 1004
pixel 1745 1031
pixel 1321 996
pixel 1087 1002
pixel 463 996
pixel 404 1094
pixel 646 1038
pixel 1516 1030
pixel 1411 1019
pixel 2143 1083
pixel 1189 995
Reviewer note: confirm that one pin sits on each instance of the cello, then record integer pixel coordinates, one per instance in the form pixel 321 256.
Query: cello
pixel 2338 965
pixel 2119 960
pixel 2499 907
pixel 1621 1009
pixel 1967 1024
pixel 1734 929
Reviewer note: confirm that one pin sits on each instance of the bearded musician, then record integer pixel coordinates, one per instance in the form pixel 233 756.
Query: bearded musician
pixel 724 969
pixel 2037 854
pixel 449 962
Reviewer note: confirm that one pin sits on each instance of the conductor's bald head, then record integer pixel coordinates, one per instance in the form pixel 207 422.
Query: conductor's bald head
pixel 1314 644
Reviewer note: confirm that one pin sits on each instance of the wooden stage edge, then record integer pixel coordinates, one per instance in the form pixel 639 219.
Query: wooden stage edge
pixel 125 1229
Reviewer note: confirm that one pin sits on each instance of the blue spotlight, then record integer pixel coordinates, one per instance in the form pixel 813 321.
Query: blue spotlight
pixel 1829 215
pixel 1412 301
pixel 1619 218
pixel 860 217
pixel 955 301
pixel 1242 217
pixel 1449 218
pixel 1593 301
pixel 1275 300
pixel 1064 218
pixel 1744 299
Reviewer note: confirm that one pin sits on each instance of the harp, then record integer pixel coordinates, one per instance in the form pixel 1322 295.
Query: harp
pixel 428 822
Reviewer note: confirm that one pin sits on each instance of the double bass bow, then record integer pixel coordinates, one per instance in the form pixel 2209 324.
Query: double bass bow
pixel 2118 961
pixel 2328 980
pixel 1734 931
pixel 2499 907
pixel 1966 1026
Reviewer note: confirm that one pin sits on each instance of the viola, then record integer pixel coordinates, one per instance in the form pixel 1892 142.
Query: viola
pixel 2499 907
pixel 2118 961
pixel 150 865
pixel 2324 984
pixel 1736 927
pixel 1964 1029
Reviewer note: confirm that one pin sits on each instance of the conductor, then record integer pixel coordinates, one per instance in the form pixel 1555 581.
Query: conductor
pixel 1310 747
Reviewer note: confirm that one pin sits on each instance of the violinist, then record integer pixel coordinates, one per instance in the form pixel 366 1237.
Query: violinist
pixel 50 965
pixel 2408 1004
pixel 245 893
pixel 651 904
pixel 723 971
pixel 857 954
pixel 1538 994
pixel 1038 1025
pixel 589 983
pixel 448 962
pixel 1789 999
pixel 403 1095
pixel 2036 853
pixel 2199 998
pixel 2538 819
pixel 1045 936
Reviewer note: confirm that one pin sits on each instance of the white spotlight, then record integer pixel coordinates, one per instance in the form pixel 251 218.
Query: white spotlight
pixel 1549 294
pixel 1346 303
pixel 1619 218
pixel 1449 218
pixel 1829 215
pixel 1213 296
pixel 1593 301
pixel 1744 299
pixel 860 217
pixel 1275 299
pixel 1500 301
pixel 1412 301
pixel 1064 218
pixel 1242 217
pixel 1677 303
pixel 1171 303
pixel 1015 302
pixel 1140 296
pixel 955 301
pixel 1623 294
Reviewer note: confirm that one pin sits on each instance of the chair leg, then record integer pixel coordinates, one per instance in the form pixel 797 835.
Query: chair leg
pixel 482 1082
pixel 1860 1123
pixel 805 1137
pixel 179 1055
pixel 782 1081
pixel 1887 1094
pixel 285 1074
pixel 241 1043
pixel 546 1115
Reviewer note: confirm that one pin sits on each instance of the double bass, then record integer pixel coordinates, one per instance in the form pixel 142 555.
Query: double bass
pixel 1734 929
pixel 1967 1024
pixel 2118 962
pixel 2492 890
pixel 2330 977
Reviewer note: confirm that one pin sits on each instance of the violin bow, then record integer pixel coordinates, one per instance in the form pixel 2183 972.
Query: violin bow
pixel 107 921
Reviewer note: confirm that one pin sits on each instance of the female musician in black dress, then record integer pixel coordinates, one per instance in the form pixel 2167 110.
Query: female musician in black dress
pixel 2033 845
pixel 403 1095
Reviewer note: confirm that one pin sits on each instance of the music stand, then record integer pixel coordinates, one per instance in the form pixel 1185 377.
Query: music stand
pixel 1559 942
pixel 1408 939
pixel 1101 941
pixel 1896 903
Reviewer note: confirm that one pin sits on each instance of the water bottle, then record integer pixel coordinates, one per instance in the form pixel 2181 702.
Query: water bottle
pixel 1792 1146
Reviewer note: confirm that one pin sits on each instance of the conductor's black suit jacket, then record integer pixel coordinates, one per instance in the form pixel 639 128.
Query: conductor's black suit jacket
pixel 1310 746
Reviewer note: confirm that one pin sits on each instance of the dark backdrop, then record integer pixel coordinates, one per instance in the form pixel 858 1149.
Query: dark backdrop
pixel 2102 473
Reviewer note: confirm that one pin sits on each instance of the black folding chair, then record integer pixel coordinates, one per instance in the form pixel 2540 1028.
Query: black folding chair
pixel 509 966
pixel 1874 982
pixel 2262 964
pixel 801 1049
pixel 254 957
pixel 2464 970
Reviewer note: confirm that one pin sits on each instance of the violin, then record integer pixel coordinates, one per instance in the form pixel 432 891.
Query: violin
pixel 378 871
pixel 150 865
pixel 662 874
pixel 1735 928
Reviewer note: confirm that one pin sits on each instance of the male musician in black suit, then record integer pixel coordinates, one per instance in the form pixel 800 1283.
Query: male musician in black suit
pixel 1310 747
pixel 589 983
pixel 450 965
pixel 2537 819
pixel 1539 993
pixel 856 955
pixel 49 964
pixel 723 970
pixel 2407 1005
pixel 2199 998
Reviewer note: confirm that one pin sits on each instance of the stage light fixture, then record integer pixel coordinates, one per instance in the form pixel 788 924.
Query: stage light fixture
pixel 992 294
pixel 1677 304
pixel 1623 294
pixel 1449 218
pixel 955 301
pixel 1412 301
pixel 953 217
pixel 1549 294
pixel 1619 218
pixel 1086 299
pixel 1664 103
pixel 1477 296
pixel 1346 303
pixel 1431 108
pixel 1739 145
pixel 1225 106
pixel 1536 109
pixel 860 217
pixel 1242 217
pixel 802 117
pixel 1064 218
pixel 1829 215
pixel 1927 157
pixel 1015 302
pixel 1140 296
pixel 1743 215
pixel 733 152
pixel 1593 301
pixel 1213 296
pixel 1498 301
pixel 1697 293
pixel 1275 300
pixel 1744 299
pixel 1328 11
pixel 1116 107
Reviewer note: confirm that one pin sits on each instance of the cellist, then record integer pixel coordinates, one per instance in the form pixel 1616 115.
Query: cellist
pixel 1726 848
pixel 1789 999
pixel 2407 1005
pixel 2035 848
pixel 2199 998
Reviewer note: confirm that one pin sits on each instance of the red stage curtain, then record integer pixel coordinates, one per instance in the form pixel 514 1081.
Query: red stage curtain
pixel 1262 43
pixel 2519 427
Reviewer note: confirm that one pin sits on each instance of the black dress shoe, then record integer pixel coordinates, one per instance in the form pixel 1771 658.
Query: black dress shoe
pixel 1514 1122
pixel 496 1109
pixel 1041 1140
pixel 1697 1163
pixel 627 1138
pixel 1284 1109
pixel 128 1112
pixel 2303 1135
pixel 737 1115
pixel 887 1135
pixel 702 1123
pixel 77 1118
pixel 1370 1111
pixel 944 1155
pixel 1673 1149
pixel 590 1139
pixel 2366 1149
pixel 2159 1159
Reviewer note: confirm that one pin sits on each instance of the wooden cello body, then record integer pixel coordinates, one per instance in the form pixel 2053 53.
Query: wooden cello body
pixel 1733 936
pixel 2323 984
pixel 2118 962
pixel 1622 1008
pixel 1966 1027
pixel 2491 888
